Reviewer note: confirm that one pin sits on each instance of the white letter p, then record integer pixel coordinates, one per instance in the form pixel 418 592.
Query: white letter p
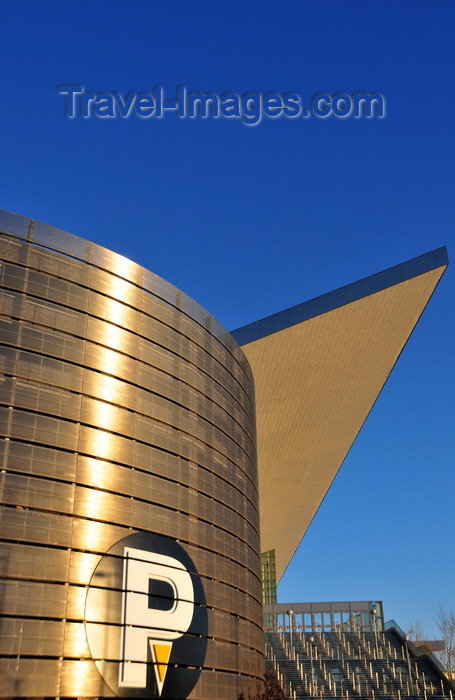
pixel 144 625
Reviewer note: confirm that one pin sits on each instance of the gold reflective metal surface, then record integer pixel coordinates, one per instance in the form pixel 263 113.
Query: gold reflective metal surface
pixel 124 407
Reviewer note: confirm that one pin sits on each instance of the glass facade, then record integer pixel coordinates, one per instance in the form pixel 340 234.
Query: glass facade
pixel 269 595
pixel 310 618
pixel 125 408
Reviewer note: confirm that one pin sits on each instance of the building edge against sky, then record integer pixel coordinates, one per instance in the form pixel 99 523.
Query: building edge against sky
pixel 130 443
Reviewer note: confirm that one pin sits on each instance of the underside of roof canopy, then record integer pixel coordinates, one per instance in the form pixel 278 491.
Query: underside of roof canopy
pixel 318 369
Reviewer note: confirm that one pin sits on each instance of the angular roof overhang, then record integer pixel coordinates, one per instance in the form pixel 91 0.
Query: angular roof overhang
pixel 318 369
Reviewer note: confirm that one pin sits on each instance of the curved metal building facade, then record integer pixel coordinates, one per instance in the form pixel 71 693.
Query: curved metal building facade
pixel 129 559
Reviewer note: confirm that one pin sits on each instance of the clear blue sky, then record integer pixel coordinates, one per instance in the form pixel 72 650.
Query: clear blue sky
pixel 251 220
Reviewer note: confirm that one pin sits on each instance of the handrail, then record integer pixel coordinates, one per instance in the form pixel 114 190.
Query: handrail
pixel 419 651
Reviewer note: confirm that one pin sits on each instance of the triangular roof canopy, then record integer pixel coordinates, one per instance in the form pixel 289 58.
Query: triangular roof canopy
pixel 318 369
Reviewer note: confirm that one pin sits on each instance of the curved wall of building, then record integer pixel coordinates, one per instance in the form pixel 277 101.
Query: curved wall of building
pixel 128 483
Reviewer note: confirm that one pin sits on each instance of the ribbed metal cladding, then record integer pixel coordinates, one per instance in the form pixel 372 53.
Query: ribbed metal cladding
pixel 125 408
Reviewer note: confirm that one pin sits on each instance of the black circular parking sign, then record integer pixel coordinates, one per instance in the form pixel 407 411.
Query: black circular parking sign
pixel 146 618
